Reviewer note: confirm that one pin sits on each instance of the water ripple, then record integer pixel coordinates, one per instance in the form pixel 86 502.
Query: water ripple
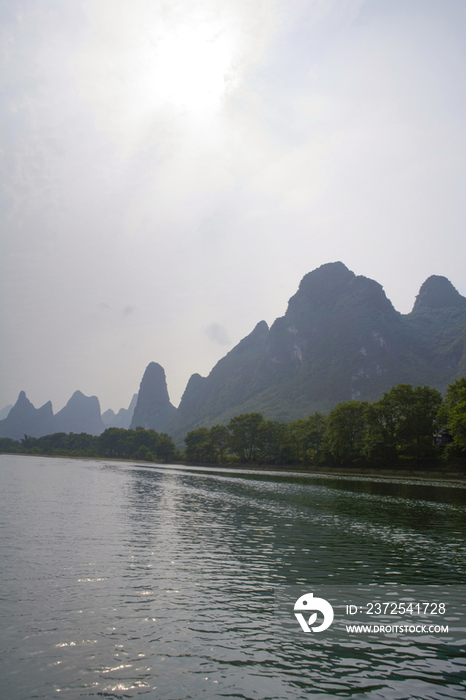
pixel 121 581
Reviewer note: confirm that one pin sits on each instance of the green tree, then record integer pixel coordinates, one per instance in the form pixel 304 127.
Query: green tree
pixel 113 442
pixel 9 445
pixel 245 436
pixel 413 420
pixel 453 413
pixel 381 440
pixel 274 444
pixel 220 439
pixel 143 453
pixel 199 447
pixel 28 441
pixel 165 448
pixel 306 436
pixel 345 433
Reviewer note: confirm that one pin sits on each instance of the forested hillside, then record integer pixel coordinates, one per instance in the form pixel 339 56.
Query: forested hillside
pixel 340 340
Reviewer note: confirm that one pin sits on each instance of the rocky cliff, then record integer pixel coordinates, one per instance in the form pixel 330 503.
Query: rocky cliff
pixel 340 339
pixel 153 408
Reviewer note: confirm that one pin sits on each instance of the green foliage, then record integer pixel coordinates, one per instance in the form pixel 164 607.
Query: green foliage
pixel 396 430
pixel 251 439
pixel 165 448
pixel 220 439
pixel 68 444
pixel 274 443
pixel 143 453
pixel 137 444
pixel 8 445
pixel 113 442
pixel 415 416
pixel 246 436
pixel 346 431
pixel 204 445
pixel 402 425
pixel 454 413
pixel 380 438
pixel 307 437
pixel 199 446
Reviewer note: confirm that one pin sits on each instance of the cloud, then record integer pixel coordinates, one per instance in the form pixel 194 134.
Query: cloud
pixel 217 334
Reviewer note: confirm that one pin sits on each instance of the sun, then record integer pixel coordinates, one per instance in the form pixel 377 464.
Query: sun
pixel 192 67
pixel 137 67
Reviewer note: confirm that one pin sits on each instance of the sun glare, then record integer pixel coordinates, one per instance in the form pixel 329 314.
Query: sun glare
pixel 140 68
pixel 192 67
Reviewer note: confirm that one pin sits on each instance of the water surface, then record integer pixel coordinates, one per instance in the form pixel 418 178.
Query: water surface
pixel 125 581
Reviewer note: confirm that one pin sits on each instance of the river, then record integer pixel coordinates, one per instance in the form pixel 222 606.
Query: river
pixel 120 580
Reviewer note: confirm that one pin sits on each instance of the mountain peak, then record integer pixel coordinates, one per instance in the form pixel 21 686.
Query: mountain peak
pixel 321 288
pixel 255 339
pixel 437 292
pixel 77 396
pixel 327 275
pixel 25 419
pixel 154 380
pixel 153 408
pixel 81 415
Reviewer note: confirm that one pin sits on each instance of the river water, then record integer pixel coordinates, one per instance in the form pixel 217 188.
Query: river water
pixel 125 581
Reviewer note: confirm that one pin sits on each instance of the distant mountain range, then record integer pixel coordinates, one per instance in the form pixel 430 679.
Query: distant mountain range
pixel 80 415
pixel 5 411
pixel 340 339
pixel 123 418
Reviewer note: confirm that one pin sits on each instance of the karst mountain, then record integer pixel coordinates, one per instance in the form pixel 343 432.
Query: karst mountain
pixel 340 340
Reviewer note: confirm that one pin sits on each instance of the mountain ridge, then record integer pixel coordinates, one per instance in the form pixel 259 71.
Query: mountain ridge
pixel 340 339
pixel 80 415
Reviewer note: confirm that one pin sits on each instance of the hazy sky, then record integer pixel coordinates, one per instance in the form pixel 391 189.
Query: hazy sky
pixel 172 168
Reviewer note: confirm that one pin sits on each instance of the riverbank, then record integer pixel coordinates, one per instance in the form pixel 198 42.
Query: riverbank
pixel 446 475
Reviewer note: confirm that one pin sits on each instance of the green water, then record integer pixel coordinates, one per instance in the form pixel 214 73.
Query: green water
pixel 123 581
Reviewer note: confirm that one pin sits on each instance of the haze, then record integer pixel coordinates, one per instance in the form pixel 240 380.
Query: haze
pixel 171 170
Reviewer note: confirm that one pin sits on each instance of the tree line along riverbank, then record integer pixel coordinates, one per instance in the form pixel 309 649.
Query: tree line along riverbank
pixel 408 428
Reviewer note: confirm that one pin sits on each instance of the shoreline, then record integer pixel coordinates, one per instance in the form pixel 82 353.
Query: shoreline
pixel 448 477
pixel 445 476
